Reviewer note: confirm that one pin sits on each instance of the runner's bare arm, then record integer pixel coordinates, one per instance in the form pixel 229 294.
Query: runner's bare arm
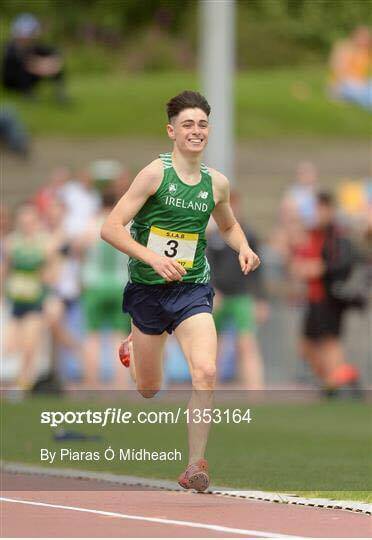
pixel 114 232
pixel 228 226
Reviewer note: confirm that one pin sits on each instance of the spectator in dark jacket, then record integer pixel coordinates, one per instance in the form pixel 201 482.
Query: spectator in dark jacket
pixel 321 260
pixel 12 131
pixel 240 300
pixel 26 61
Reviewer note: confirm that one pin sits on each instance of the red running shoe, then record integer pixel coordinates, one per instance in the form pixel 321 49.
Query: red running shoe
pixel 195 476
pixel 345 374
pixel 124 352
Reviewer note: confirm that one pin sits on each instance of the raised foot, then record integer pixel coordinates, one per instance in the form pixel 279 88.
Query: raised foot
pixel 195 476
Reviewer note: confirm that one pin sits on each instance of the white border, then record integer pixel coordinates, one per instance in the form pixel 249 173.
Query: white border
pixel 352 506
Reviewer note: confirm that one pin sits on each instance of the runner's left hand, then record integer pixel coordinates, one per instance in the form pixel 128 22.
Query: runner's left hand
pixel 248 259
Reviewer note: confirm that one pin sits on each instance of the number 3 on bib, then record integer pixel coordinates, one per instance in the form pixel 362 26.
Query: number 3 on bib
pixel 174 244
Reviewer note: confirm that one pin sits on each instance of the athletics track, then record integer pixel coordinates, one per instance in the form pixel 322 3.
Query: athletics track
pixel 32 507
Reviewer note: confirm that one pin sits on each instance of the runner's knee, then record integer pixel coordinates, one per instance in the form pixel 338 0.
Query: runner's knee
pixel 204 375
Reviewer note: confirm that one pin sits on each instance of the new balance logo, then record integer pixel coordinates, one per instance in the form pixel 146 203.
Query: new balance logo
pixel 202 195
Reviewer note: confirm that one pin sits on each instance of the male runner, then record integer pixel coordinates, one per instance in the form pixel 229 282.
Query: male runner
pixel 170 202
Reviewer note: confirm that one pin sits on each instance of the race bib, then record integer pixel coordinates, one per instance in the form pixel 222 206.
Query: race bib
pixel 180 246
pixel 23 286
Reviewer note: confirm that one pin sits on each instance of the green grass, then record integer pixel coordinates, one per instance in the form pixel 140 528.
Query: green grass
pixel 269 103
pixel 316 449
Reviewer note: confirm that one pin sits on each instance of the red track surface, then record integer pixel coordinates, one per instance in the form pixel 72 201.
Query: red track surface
pixel 19 520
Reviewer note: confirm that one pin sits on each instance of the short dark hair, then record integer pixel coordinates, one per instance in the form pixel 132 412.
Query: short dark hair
pixel 325 198
pixel 188 99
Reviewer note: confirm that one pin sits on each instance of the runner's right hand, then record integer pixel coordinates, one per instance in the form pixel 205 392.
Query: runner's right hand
pixel 168 268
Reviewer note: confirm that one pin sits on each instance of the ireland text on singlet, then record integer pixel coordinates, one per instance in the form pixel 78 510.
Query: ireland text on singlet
pixel 172 223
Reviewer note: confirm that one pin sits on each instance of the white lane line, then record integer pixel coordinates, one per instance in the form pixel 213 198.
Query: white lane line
pixel 191 524
pixel 332 504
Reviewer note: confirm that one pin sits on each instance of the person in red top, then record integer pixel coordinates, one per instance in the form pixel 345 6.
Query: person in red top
pixel 321 340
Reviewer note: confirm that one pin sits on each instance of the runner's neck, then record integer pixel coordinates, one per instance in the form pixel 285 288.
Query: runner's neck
pixel 187 167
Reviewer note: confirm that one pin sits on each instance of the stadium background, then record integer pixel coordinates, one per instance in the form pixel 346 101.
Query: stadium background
pixel 124 59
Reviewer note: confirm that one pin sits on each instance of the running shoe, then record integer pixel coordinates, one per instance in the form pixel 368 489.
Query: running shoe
pixel 124 352
pixel 345 374
pixel 345 383
pixel 195 476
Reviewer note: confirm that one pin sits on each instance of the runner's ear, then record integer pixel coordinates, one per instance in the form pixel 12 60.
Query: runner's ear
pixel 170 131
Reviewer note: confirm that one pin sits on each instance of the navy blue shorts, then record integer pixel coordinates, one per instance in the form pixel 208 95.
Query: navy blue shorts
pixel 21 309
pixel 158 308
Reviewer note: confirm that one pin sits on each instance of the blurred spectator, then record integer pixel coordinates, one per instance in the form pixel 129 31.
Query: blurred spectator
pixel 366 250
pixel 300 198
pixel 104 275
pixel 350 65
pixel 322 259
pixel 355 199
pixel 65 289
pixel 240 301
pixel 4 223
pixel 12 132
pixel 27 61
pixel 49 193
pixel 297 214
pixel 290 230
pixel 106 172
pixel 66 205
pixel 81 202
pixel 28 256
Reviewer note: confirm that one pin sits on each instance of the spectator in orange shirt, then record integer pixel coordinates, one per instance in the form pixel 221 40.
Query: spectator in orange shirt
pixel 351 68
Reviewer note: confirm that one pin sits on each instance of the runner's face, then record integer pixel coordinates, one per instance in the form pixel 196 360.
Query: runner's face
pixel 189 130
pixel 27 220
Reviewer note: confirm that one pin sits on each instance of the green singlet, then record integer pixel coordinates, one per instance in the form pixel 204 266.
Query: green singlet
pixel 27 258
pixel 172 222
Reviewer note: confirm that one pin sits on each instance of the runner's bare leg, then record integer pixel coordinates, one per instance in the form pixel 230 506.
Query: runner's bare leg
pixel 132 366
pixel 250 362
pixel 198 340
pixel 147 359
pixel 31 333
